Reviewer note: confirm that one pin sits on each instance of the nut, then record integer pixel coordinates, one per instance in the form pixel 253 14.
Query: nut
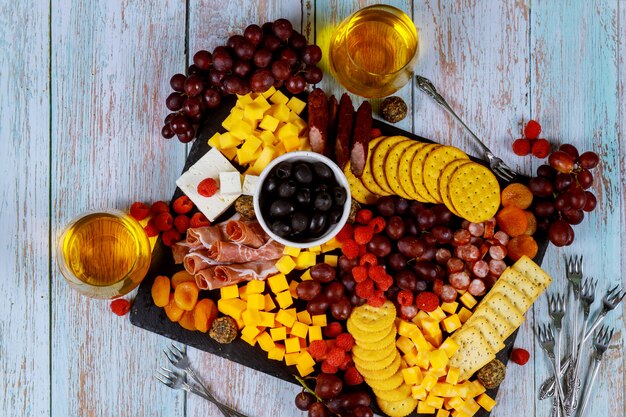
pixel 393 109
pixel 223 329
pixel 245 207
pixel 492 374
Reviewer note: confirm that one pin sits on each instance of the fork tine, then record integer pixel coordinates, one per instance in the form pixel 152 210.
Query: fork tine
pixel 181 353
pixel 164 375
pixel 174 352
pixel 505 172
pixel 581 265
pixel 169 356
pixel 162 381
pixel 168 371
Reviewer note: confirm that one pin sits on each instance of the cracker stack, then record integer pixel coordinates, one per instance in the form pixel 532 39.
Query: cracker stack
pixel 377 359
pixel 498 315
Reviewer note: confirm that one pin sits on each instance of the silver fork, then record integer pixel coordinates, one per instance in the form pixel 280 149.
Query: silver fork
pixel 496 164
pixel 600 344
pixel 180 360
pixel 556 310
pixel 574 273
pixel 546 340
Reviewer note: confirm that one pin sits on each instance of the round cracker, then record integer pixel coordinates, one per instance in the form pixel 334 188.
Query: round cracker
pixel 376 365
pixel 417 171
pixel 396 394
pixel 404 171
pixel 382 373
pixel 377 161
pixel 357 189
pixel 389 339
pixel 392 167
pixel 374 319
pixel 394 381
pixel 444 179
pixel 372 354
pixel 434 164
pixel 365 337
pixel 367 177
pixel 474 192
pixel 397 408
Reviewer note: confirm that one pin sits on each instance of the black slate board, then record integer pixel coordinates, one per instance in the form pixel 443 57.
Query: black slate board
pixel 146 315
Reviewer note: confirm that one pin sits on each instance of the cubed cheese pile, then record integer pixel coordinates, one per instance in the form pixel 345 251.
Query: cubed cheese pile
pixel 261 127
pixel 294 258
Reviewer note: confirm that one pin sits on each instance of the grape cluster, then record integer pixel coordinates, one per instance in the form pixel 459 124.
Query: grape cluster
pixel 328 399
pixel 561 191
pixel 271 55
pixel 322 298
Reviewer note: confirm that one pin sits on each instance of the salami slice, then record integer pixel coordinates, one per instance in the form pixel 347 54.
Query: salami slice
pixel 318 120
pixel 490 226
pixel 345 122
pixel 476 229
pixel 497 252
pixel 461 237
pixel 459 280
pixel 480 269
pixel 448 293
pixel 501 237
pixel 468 253
pixel 361 138
pixel 496 267
pixel 442 255
pixel 476 288
pixel 454 265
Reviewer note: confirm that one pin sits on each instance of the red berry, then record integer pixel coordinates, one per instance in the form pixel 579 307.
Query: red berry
pixel 336 356
pixel 199 220
pixel 207 187
pixel 363 216
pixel 405 298
pixel 346 232
pixel 521 147
pixel 181 223
pixel 120 306
pixel 541 148
pixel 385 282
pixel 350 249
pixel 333 330
pixel 363 234
pixel 359 273
pixel 170 237
pixel 327 368
pixel 520 356
pixel 182 205
pixel 164 221
pixel 369 259
pixel 352 376
pixel 139 211
pixel 375 133
pixel 377 224
pixel 427 301
pixel 377 273
pixel 159 207
pixel 317 349
pixel 151 229
pixel 344 341
pixel 365 289
pixel 532 130
pixel 376 301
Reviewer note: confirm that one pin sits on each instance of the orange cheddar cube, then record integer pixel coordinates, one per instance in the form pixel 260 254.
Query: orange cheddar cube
pixel 276 354
pixel 468 300
pixel 411 357
pixel 251 317
pixel 319 320
pixel 291 358
pixel 267 319
pixel 285 318
pixel 256 301
pixel 305 260
pixel 437 314
pixel 299 329
pixel 442 413
pixel 422 359
pixel 332 244
pixel 241 129
pixel 278 283
pixel 288 130
pixel 423 408
pixel 476 389
pixel 265 341
pixel 306 276
pixel 450 346
pixel 253 112
pixel 262 160
pixel 315 333
pixel 285 265
pixel 420 341
pixel 418 392
pixel 279 97
pixel 456 402
pixel 432 331
pixel 450 308
pixel 292 143
pixel 486 402
pixel 281 112
pixel 242 293
pixel 292 289
pixel 304 317
pixel 420 317
pixel 470 407
pixel 284 299
pixel 292 344
pixel 304 371
pixel 315 249
pixel 269 303
pixel 405 328
pixel 464 314
pixel 428 382
pixel 231 291
pixel 279 333
pixel 233 307
pixel 331 260
pixel 405 344
pixel 296 105
pixel 434 401
pixel 255 287
pixel 438 359
pixel 305 360
pixel 250 332
pixel 412 375
pixel 451 323
pixel 262 102
pixel 290 251
pixel 214 141
pixel 453 375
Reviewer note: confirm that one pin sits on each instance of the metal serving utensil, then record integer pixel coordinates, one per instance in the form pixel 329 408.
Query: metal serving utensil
pixel 600 344
pixel 497 165
pixel 545 335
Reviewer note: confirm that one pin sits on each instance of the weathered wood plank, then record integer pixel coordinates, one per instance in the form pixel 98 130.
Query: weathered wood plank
pixel 476 54
pixel 575 93
pixel 249 391
pixel 24 209
pixel 111 62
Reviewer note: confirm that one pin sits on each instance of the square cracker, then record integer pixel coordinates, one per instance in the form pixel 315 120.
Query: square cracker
pixel 505 310
pixel 502 327
pixel 515 296
pixel 529 287
pixel 489 333
pixel 532 271
pixel 474 351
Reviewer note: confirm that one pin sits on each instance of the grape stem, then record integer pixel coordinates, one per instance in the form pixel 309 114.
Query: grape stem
pixel 306 388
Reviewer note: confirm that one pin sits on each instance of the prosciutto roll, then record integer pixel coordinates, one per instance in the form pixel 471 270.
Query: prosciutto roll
pixel 246 233
pixel 219 276
pixel 236 253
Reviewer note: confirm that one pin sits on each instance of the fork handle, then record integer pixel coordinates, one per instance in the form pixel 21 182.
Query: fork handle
pixel 427 87
pixel 546 389
pixel 589 388
pixel 595 325
pixel 226 410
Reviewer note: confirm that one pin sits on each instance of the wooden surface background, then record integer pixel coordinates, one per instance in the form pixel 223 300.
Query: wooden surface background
pixel 82 87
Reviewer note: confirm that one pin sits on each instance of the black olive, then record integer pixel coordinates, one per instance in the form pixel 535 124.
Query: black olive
pixel 271 184
pixel 339 195
pixel 323 201
pixel 321 187
pixel 286 189
pixel 302 173
pixel 334 215
pixel 281 208
pixel 322 171
pixel 283 170
pixel 303 197
pixel 281 229
pixel 317 224
pixel 299 222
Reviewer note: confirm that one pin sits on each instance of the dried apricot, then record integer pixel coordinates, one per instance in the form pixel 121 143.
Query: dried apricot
pixel 517 195
pixel 532 223
pixel 186 295
pixel 161 291
pixel 187 321
pixel 180 277
pixel 172 311
pixel 522 245
pixel 512 221
pixel 204 313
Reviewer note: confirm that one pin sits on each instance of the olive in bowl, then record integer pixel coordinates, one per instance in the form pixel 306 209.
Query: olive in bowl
pixel 302 199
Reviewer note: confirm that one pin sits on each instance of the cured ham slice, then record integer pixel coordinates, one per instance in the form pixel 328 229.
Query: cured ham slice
pixel 206 236
pixel 219 276
pixel 198 260
pixel 231 252
pixel 246 233
pixel 179 251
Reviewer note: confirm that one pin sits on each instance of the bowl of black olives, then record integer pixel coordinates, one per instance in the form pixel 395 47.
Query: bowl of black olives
pixel 302 199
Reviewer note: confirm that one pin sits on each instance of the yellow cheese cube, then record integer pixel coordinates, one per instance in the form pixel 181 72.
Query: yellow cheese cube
pixel 248 151
pixel 251 317
pixel 319 320
pixel 242 100
pixel 461 390
pixel 280 148
pixel 477 388
pixel 285 265
pixel 214 142
pixel 411 357
pixel 423 408
pixel 332 244
pixel 420 341
pixel 255 287
pixel 249 340
pixel 284 299
pixel 232 307
pixel 296 105
pixel 468 300
pixel 261 101
pixel 292 345
pixel 438 314
pixel 285 318
pixel 443 390
pixel 464 314
pixel 277 354
pixel 252 112
pixel 405 344
pixel 285 131
pixel 438 359
pixel 331 260
pixel 429 382
pixel 242 293
pixel 450 308
pixel 281 112
pixel 304 371
pixel 234 117
pixel 451 323
pixel 279 97
pixel 442 413
pixel 256 301
pixel 231 291
pixel 301 125
pixel 315 249
pixel 418 392
pixel 453 375
pixel 299 329
pixel 266 137
pixel 419 318
pixel 412 375
pixel 291 251
pixel 263 159
pixel 305 360
pixel 269 303
pixel 269 123
pixel 229 153
pixel 291 358
pixel 456 402
pixel 265 341
pixel 437 373
pixel 306 276
pixel 405 328
pixel 292 289
pixel 292 143
pixel 470 406
pixel 315 333
pixel 305 260
pixel 269 92
pixel 278 283
pixel 422 359
pixel 267 319
pixel 434 401
pixel 293 311
pixel 486 402
pixel 432 331
pixel 304 317
pixel 279 333
pixel 241 129
pixel 250 332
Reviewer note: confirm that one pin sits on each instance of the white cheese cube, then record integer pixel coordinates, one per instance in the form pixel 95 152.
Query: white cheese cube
pixel 230 183
pixel 249 184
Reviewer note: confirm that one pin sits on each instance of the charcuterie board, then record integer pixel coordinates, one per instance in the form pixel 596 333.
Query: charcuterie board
pixel 146 315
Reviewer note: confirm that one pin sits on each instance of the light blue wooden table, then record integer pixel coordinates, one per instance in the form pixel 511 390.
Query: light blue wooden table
pixel 82 86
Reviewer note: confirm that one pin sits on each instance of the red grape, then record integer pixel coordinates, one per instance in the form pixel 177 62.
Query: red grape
pixel 544 208
pixel 313 74
pixel 290 55
pixel 261 80
pixel 323 272
pixel 262 58
pixel 242 68
pixel 281 70
pixel 308 290
pixel 271 43
pixel 179 124
pixel 443 215
pixel 577 198
pixel 167 131
pixel 406 280
pixel 569 149
pixel 222 60
pixel 334 291
pixel 193 85
pixel 267 28
pixel 174 101
pixel 585 178
pixel 386 206
pixel 177 82
pixel 328 386
pixel 296 84
pixel 341 309
pixel 443 234
pixel 244 50
pixel 562 201
pixel 192 106
pixel 169 118
pixel 402 206
pixel 545 171
pixel 318 305
pixel 318 410
pixel 396 261
pixel 211 98
pixel 254 34
pixel 232 84
pixel 234 40
pixel 193 69
pixel 562 181
pixel 411 246
pixel 203 60
pixel 297 40
pixel 216 77
pixel 590 202
pixel 283 29
pixel 559 232
pixel 540 187
pixel 187 136
pixel 311 55
pixel 395 227
pixel 426 219
pixel 588 160
pixel 348 282
pixel 573 216
pixel 304 400
pixel 379 245
pixel 561 161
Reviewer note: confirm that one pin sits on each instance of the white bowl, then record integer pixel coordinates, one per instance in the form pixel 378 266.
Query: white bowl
pixel 309 157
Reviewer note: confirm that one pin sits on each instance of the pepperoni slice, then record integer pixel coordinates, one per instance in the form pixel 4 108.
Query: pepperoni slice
pixel 476 288
pixel 461 237
pixel 496 267
pixel 501 237
pixel 438 287
pixel 459 280
pixel 476 229
pixel 454 265
pixel 480 269
pixel 442 256
pixel 448 293
pixel 497 252
pixel 468 253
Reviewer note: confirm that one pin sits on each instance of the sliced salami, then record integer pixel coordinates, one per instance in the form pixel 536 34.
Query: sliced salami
pixel 438 287
pixel 442 256
pixel 480 269
pixel 454 265
pixel 476 229
pixel 461 237
pixel 448 293
pixel 476 288
pixel 318 120
pixel 501 237
pixel 459 280
pixel 490 227
pixel 497 252
pixel 468 253
pixel 345 122
pixel 496 267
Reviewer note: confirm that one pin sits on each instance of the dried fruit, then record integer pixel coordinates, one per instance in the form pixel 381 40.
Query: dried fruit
pixel 517 195
pixel 522 245
pixel 223 329
pixel 393 109
pixel 204 313
pixel 186 295
pixel 172 311
pixel 512 220
pixel 180 277
pixel 160 291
